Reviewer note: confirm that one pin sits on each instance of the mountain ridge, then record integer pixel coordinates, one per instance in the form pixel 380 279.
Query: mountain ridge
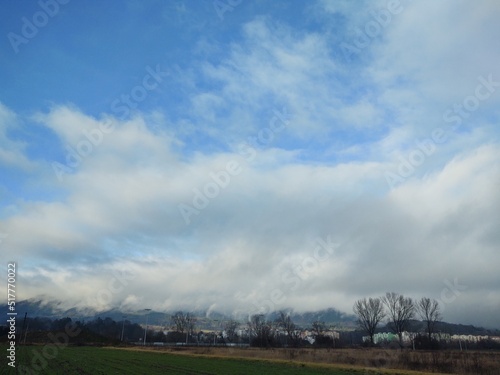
pixel 207 319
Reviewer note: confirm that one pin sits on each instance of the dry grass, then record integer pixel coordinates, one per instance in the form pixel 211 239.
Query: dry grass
pixel 449 362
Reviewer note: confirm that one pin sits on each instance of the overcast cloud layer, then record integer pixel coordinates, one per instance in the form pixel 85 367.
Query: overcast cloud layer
pixel 298 155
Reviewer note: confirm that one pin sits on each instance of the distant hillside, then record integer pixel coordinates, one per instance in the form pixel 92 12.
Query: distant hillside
pixel 53 309
pixel 450 328
pixel 40 308
pixel 331 317
pixel 213 320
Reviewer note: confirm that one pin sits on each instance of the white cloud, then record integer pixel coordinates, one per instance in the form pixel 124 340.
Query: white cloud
pixel 441 48
pixel 12 153
pixel 121 214
pixel 118 208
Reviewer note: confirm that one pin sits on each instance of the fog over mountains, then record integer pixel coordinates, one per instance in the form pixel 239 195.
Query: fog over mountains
pixel 207 319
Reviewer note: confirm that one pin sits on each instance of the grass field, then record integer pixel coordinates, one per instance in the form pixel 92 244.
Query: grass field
pixel 107 361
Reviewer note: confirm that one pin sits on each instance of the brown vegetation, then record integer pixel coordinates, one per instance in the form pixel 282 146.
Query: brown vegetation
pixel 449 362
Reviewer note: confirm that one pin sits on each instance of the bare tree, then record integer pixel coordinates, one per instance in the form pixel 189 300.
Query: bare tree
pixel 178 319
pixel 318 328
pixel 292 333
pixel 370 313
pixel 400 311
pixel 428 309
pixel 190 322
pixel 183 322
pixel 320 338
pixel 261 331
pixel 230 328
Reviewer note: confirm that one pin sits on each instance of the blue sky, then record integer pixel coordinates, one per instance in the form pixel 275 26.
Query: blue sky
pixel 204 148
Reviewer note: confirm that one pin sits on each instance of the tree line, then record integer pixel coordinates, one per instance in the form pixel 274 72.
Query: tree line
pixel 396 310
pixel 399 311
pixel 97 330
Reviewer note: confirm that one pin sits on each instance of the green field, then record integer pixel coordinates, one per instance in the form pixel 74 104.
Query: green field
pixel 107 361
